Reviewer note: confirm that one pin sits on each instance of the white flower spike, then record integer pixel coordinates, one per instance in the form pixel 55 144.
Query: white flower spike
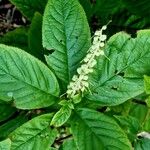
pixel 79 82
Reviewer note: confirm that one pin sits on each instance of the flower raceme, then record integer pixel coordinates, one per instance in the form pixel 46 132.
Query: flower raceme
pixel 79 82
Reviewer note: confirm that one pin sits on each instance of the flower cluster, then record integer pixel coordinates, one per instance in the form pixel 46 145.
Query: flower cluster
pixel 79 82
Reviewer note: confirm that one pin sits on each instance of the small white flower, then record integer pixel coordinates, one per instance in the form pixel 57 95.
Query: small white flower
pixel 103 37
pixel 104 27
pixel 93 63
pixel 85 77
pixel 75 77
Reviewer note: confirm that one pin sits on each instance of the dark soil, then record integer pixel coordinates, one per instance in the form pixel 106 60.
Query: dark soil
pixel 10 17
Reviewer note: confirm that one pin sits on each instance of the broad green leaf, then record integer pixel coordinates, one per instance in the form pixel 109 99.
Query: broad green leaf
pixel 11 125
pixel 35 37
pixel 36 134
pixel 6 111
pixel 119 78
pixel 29 7
pixel 17 38
pixel 93 130
pixel 5 145
pixel 61 116
pixel 142 144
pixel 25 80
pixel 130 125
pixel 68 144
pixel 66 32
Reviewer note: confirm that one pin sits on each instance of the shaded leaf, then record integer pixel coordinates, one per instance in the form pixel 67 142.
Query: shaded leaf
pixel 35 37
pixel 6 111
pixel 11 125
pixel 17 38
pixel 29 7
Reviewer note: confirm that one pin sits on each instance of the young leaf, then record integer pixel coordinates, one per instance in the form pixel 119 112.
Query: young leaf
pixel 35 37
pixel 35 134
pixel 29 7
pixel 5 145
pixel 66 31
pixel 25 80
pixel 6 111
pixel 94 130
pixel 119 79
pixel 61 116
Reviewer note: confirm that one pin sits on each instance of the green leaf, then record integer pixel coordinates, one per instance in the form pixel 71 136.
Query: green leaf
pixel 11 125
pixel 61 116
pixel 66 32
pixel 25 80
pixel 93 130
pixel 6 111
pixel 29 7
pixel 5 145
pixel 142 144
pixel 35 37
pixel 17 38
pixel 142 113
pixel 35 134
pixel 130 125
pixel 120 79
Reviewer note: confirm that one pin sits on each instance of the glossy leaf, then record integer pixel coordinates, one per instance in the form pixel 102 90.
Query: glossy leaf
pixel 25 80
pixel 66 36
pixel 119 78
pixel 35 134
pixel 94 130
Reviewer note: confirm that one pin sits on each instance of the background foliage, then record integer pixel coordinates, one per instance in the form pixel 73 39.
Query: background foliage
pixel 40 60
